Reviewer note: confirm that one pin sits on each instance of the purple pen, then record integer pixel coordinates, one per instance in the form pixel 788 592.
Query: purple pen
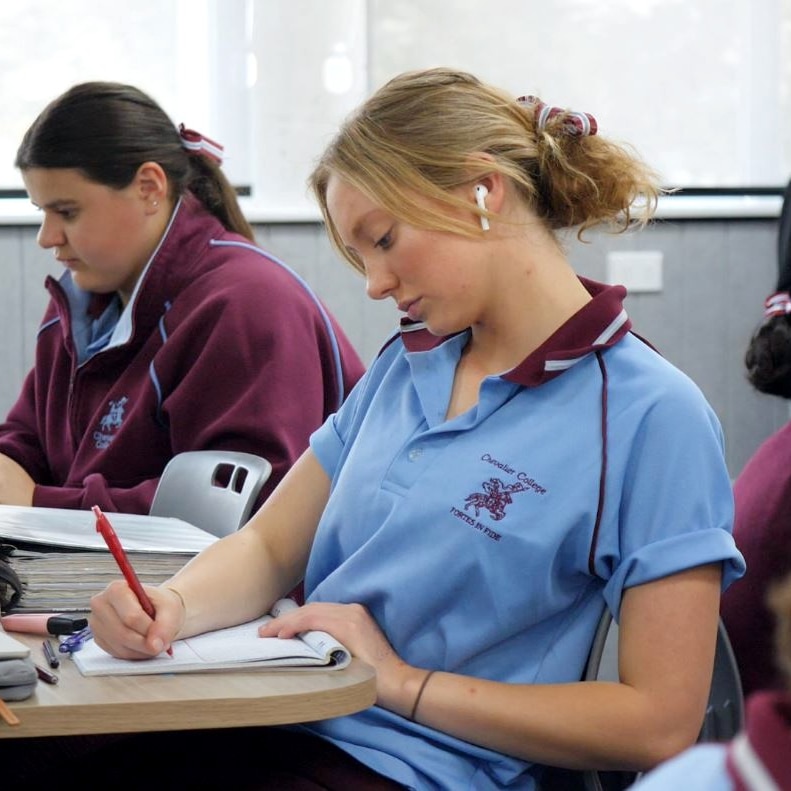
pixel 74 642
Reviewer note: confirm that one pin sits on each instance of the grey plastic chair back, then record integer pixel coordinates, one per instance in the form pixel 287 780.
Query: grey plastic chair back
pixel 211 489
pixel 724 712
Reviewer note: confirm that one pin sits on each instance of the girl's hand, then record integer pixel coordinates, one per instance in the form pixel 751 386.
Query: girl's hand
pixel 16 486
pixel 352 624
pixel 122 628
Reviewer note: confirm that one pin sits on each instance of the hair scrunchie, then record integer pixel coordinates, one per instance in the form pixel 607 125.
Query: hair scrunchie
pixel 777 304
pixel 196 143
pixel 574 124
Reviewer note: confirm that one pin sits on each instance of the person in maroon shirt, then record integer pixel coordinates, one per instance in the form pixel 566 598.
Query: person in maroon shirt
pixel 170 330
pixel 762 490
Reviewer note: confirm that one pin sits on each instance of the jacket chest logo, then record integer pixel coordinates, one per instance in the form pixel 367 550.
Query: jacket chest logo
pixel 109 423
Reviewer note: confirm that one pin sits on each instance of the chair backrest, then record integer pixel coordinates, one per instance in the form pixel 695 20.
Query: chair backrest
pixel 212 489
pixel 724 712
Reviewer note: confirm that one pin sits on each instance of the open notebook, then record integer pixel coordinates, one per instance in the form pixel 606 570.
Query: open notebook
pixel 234 648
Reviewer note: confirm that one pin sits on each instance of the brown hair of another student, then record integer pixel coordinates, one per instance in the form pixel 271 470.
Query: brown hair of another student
pixel 106 130
pixel 768 355
pixel 426 133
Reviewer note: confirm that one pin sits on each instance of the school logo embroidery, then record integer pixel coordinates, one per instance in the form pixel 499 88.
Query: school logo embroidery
pixel 110 423
pixel 494 498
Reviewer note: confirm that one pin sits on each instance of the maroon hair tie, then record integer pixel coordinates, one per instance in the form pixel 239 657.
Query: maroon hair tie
pixel 574 124
pixel 196 143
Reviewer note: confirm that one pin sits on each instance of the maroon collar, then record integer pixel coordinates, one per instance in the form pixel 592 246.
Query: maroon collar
pixel 762 748
pixel 99 302
pixel 602 322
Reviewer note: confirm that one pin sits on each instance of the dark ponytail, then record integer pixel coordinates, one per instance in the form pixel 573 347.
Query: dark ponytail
pixel 768 357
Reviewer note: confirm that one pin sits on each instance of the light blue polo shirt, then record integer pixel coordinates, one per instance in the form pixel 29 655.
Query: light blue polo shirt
pixel 757 758
pixel 472 540
pixel 702 767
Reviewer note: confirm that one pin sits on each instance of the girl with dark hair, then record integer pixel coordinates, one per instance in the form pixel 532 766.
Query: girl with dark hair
pixel 169 330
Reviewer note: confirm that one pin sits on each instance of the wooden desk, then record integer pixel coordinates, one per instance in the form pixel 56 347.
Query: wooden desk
pixel 183 701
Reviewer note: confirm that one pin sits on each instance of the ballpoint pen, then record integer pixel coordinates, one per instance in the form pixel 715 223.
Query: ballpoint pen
pixel 104 527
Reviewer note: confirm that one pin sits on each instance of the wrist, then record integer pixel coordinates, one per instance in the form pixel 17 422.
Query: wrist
pixel 178 594
pixel 419 696
pixel 402 690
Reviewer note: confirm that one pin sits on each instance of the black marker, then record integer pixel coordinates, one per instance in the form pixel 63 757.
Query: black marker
pixel 49 653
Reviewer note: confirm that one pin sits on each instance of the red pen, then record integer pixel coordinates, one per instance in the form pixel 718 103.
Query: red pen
pixel 104 527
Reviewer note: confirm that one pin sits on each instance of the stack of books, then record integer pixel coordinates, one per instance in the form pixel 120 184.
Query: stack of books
pixel 62 560
pixel 65 581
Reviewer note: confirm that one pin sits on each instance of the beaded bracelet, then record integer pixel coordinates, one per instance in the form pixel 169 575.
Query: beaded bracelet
pixel 420 693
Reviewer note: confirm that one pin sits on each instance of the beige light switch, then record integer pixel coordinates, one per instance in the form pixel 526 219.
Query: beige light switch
pixel 637 270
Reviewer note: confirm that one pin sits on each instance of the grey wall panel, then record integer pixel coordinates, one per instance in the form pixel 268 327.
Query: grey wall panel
pixel 716 275
pixel 36 265
pixel 12 355
pixel 22 302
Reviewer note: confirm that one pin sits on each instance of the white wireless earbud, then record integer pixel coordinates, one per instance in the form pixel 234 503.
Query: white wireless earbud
pixel 480 198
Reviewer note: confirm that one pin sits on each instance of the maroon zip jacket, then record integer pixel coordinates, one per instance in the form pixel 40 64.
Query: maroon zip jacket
pixel 229 349
pixel 762 531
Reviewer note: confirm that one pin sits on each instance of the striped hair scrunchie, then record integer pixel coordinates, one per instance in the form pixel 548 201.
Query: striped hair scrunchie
pixel 777 304
pixel 574 124
pixel 197 144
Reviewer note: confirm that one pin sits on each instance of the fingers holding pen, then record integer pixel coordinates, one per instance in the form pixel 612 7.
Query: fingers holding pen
pixel 121 626
pixel 118 623
pixel 171 613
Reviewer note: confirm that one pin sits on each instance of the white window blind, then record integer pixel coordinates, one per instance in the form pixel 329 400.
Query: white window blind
pixel 701 89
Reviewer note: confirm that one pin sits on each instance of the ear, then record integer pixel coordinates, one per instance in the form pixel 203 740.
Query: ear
pixel 151 185
pixel 495 183
pixel 495 190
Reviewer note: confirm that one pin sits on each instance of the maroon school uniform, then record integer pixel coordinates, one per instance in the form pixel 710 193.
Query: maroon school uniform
pixel 762 531
pixel 229 349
